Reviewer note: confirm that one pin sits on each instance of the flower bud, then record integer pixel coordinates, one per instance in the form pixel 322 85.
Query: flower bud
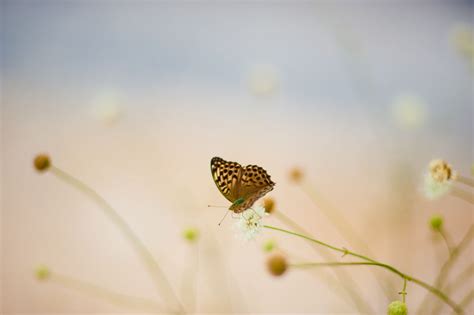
pixel 42 162
pixel 42 273
pixel 296 175
pixel 397 308
pixel 191 234
pixel 269 205
pixel 436 222
pixel 269 245
pixel 277 264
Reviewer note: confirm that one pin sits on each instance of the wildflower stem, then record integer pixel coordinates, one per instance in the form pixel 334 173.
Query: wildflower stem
pixel 190 277
pixel 464 195
pixel 465 180
pixel 369 261
pixel 344 227
pixel 118 299
pixel 404 290
pixel 352 289
pixel 462 277
pixel 444 271
pixel 447 240
pixel 162 284
pixel 455 254
pixel 467 299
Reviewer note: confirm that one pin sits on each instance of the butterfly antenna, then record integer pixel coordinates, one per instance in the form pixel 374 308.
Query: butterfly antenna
pixel 213 206
pixel 225 215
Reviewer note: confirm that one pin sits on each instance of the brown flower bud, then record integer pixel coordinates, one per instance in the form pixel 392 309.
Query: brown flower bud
pixel 277 264
pixel 269 204
pixel 296 175
pixel 42 162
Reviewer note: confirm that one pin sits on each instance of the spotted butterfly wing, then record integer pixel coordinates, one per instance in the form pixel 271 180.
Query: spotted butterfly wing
pixel 226 175
pixel 240 185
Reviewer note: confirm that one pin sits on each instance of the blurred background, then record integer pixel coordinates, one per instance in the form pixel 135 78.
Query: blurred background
pixel 135 98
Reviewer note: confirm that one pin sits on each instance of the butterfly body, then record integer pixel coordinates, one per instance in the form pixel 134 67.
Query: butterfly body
pixel 242 186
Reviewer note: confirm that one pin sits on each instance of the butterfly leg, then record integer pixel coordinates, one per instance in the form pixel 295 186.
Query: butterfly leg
pixel 235 216
pixel 259 217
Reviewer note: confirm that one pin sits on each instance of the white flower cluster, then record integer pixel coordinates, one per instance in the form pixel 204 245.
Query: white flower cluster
pixel 250 222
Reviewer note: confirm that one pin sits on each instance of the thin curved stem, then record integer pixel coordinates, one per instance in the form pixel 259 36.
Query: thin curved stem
pixel 352 289
pixel 464 195
pixel 465 180
pixel 462 277
pixel 115 298
pixel 467 299
pixel 444 271
pixel 370 261
pixel 447 241
pixel 162 284
pixel 344 226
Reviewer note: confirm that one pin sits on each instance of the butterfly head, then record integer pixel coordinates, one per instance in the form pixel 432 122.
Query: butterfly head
pixel 236 204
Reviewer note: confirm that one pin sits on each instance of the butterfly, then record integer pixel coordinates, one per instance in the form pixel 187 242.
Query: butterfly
pixel 240 185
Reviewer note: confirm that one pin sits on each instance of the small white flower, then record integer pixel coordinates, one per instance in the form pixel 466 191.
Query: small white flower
pixel 250 222
pixel 439 179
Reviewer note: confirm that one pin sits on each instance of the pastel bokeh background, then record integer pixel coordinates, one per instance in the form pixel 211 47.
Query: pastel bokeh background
pixel 136 97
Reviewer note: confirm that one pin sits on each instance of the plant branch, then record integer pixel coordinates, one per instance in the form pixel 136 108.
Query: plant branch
pixel 112 297
pixel 162 284
pixel 464 195
pixel 352 289
pixel 465 180
pixel 444 271
pixel 343 226
pixel 370 261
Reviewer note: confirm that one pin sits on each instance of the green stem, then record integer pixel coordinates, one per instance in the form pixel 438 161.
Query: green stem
pixel 462 277
pixel 162 284
pixel 404 290
pixel 352 289
pixel 112 297
pixel 464 195
pixel 467 299
pixel 447 241
pixel 465 180
pixel 444 271
pixel 190 277
pixel 343 226
pixel 370 261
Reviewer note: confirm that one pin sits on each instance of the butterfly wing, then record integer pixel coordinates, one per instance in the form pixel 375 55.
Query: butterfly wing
pixel 226 175
pixel 253 185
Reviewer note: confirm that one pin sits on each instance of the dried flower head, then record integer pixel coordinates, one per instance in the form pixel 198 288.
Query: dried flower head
pixel 397 308
pixel 439 179
pixel 42 162
pixel 269 246
pixel 191 234
pixel 269 204
pixel 277 264
pixel 42 273
pixel 296 175
pixel 436 222
pixel 250 222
